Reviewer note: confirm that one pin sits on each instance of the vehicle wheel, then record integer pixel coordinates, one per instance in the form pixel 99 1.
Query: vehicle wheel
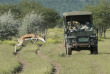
pixel 91 50
pixel 94 50
pixel 68 50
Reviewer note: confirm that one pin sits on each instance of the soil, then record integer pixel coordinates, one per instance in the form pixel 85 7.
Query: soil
pixel 24 65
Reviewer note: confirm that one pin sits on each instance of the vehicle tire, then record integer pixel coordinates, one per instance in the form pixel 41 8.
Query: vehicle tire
pixel 94 50
pixel 68 50
pixel 91 50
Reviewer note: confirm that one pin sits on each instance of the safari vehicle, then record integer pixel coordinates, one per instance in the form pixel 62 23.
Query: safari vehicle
pixel 80 38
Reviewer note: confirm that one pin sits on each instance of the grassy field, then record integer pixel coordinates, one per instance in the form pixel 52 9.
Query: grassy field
pixel 35 64
pixel 26 59
pixel 78 63
pixel 8 62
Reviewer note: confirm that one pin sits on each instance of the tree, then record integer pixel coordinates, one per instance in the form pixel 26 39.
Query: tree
pixel 32 23
pixel 101 16
pixel 50 16
pixel 6 7
pixel 27 6
pixel 8 25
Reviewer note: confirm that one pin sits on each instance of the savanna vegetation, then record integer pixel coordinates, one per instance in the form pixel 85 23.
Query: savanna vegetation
pixel 79 62
pixel 27 17
pixel 61 6
pixel 101 16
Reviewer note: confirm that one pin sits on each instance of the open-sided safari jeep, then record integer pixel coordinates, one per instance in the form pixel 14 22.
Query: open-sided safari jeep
pixel 80 33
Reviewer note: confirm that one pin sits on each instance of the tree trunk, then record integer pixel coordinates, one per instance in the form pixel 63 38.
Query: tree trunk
pixel 104 32
pixel 100 32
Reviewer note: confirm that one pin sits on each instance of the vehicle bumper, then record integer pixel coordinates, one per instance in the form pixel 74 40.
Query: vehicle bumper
pixel 75 45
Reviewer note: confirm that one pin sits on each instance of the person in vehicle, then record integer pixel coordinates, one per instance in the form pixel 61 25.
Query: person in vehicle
pixel 73 28
pixel 77 25
pixel 84 28
pixel 87 27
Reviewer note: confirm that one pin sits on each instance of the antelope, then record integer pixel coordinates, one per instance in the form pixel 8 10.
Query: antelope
pixel 28 37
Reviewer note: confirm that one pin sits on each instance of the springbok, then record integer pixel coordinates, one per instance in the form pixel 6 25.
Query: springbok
pixel 28 37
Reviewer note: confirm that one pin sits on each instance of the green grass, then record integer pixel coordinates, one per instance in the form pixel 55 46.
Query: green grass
pixel 55 36
pixel 80 62
pixel 35 64
pixel 8 62
pixel 9 42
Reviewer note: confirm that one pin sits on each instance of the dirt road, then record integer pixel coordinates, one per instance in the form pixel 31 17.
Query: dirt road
pixel 57 67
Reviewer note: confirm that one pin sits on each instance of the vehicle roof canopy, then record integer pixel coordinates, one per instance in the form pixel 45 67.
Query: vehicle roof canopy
pixel 74 13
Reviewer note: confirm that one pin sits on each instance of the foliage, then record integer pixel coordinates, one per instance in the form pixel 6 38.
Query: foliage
pixel 27 6
pixel 101 16
pixel 50 16
pixel 60 6
pixel 8 25
pixel 6 7
pixel 31 23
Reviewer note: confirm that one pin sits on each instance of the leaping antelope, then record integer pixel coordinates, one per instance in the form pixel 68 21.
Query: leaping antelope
pixel 28 37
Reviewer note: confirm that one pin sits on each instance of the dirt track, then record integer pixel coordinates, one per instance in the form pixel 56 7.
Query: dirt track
pixel 57 67
pixel 23 63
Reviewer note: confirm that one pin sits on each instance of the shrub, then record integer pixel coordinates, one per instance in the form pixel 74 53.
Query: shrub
pixel 8 25
pixel 31 23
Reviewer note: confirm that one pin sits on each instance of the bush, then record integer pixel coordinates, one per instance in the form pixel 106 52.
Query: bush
pixel 31 23
pixel 8 25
